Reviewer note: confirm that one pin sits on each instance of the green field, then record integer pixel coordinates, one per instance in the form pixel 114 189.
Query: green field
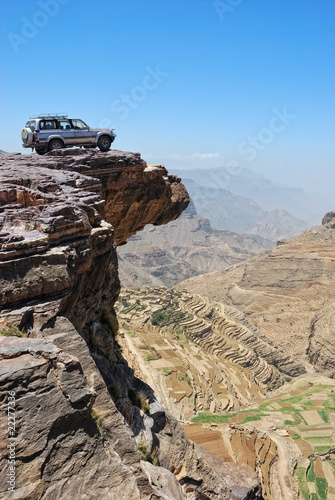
pixel 315 403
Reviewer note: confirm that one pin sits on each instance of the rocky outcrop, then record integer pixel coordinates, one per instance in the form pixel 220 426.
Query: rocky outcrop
pixel 59 452
pixel 85 425
pixel 117 186
pixel 52 217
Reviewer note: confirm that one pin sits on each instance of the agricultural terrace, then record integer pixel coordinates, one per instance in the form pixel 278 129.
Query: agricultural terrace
pixel 208 367
pixel 303 416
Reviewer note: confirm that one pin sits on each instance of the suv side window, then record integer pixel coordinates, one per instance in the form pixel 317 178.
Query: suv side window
pixel 79 124
pixel 32 125
pixel 47 125
pixel 64 124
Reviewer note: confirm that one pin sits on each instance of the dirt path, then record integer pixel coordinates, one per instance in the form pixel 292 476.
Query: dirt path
pixel 283 474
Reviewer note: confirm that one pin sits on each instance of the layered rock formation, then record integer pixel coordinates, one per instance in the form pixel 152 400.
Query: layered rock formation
pixel 85 425
pixel 287 294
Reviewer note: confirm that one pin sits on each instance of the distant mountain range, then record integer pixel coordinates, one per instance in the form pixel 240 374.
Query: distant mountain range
pixel 242 215
pixel 226 223
pixel 249 196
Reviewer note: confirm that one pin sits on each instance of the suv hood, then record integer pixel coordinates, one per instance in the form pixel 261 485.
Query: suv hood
pixel 109 130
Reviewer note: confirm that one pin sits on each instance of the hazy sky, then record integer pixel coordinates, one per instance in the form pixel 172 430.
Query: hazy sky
pixel 247 82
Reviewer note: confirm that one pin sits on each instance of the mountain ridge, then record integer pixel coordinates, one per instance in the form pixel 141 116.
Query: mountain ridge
pixel 246 183
pixel 188 246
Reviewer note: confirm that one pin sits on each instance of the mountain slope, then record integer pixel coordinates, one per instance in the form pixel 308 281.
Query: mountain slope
pixel 185 247
pixel 242 215
pixel 287 293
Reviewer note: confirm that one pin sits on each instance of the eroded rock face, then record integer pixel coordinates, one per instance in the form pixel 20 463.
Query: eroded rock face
pixel 60 217
pixel 56 212
pixel 56 437
pixel 57 189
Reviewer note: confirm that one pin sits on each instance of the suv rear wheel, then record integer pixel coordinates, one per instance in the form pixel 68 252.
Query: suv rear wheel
pixel 40 151
pixel 104 143
pixel 55 144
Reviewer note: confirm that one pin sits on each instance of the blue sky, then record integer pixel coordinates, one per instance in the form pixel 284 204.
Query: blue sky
pixel 187 83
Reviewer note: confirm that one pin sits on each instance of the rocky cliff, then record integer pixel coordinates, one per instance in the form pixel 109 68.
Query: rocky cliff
pixel 85 426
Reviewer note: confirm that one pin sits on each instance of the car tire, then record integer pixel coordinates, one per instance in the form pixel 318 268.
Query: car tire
pixel 104 143
pixel 40 151
pixel 55 144
pixel 26 135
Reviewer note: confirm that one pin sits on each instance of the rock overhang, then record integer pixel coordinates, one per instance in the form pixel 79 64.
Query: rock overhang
pixel 63 194
pixel 61 216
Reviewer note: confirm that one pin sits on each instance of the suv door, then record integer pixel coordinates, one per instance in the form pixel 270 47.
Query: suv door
pixel 83 133
pixel 66 132
pixel 46 128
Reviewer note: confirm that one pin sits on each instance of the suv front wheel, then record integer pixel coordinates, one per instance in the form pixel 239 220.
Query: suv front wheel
pixel 104 143
pixel 55 144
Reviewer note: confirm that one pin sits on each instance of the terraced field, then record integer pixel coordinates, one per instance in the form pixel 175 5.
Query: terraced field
pixel 204 357
pixel 207 364
pixel 287 293
pixel 299 419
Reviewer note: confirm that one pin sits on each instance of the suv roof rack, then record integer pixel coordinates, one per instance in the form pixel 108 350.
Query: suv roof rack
pixel 51 115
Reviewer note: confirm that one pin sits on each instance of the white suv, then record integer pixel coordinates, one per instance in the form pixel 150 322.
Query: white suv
pixel 49 132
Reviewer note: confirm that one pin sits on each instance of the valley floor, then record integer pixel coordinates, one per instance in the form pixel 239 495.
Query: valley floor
pixel 223 380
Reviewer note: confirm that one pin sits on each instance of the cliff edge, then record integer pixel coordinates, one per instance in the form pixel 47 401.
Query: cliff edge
pixel 85 426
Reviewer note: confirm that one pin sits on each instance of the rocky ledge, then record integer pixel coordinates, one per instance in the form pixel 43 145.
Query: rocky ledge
pixel 85 426
pixel 62 214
